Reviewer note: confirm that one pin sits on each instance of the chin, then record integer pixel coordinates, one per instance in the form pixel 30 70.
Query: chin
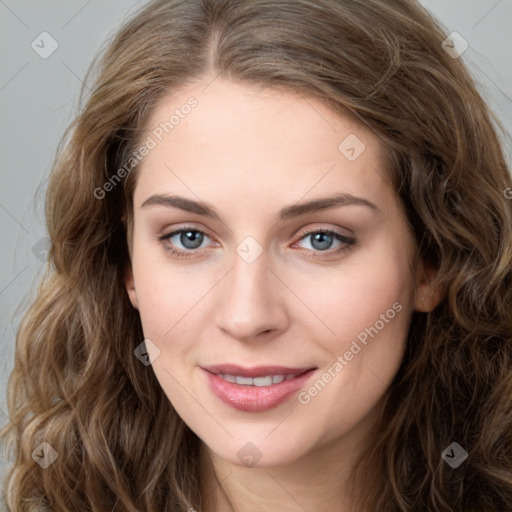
pixel 258 451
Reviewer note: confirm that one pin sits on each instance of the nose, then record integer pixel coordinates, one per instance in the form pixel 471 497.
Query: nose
pixel 251 301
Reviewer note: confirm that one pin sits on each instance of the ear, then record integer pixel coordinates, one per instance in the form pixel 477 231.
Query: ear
pixel 130 286
pixel 426 297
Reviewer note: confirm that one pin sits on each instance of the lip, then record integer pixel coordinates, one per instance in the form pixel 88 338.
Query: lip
pixel 255 398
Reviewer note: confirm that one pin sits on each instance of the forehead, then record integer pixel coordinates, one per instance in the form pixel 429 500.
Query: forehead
pixel 242 139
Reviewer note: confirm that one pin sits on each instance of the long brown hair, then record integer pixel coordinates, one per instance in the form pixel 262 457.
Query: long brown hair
pixel 76 383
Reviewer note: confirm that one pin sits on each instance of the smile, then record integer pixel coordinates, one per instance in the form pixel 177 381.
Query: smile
pixel 255 389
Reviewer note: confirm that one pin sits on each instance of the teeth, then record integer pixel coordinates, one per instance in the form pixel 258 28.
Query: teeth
pixel 262 381
pixel 268 380
pixel 246 381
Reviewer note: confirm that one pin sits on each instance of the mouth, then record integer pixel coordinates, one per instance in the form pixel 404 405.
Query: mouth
pixel 255 389
pixel 267 380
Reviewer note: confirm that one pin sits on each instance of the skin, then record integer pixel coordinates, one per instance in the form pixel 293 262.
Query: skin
pixel 249 152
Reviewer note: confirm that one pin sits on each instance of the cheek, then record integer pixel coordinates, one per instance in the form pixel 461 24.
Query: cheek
pixel 370 321
pixel 352 296
pixel 366 309
pixel 175 303
pixel 161 293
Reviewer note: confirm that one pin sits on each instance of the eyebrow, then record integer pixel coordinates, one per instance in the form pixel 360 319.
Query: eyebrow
pixel 286 213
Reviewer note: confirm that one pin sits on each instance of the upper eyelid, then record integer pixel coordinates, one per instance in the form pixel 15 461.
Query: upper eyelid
pixel 166 233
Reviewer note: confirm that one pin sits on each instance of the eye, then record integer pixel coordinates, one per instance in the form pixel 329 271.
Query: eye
pixel 188 237
pixel 191 240
pixel 321 241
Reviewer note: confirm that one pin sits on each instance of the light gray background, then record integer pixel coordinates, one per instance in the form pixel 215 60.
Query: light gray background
pixel 38 98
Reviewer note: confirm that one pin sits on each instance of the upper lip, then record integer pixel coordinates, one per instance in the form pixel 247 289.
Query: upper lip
pixel 254 371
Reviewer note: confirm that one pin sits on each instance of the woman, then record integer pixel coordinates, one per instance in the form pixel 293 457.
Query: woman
pixel 280 273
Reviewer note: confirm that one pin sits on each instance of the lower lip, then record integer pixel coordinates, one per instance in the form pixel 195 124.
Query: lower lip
pixel 255 398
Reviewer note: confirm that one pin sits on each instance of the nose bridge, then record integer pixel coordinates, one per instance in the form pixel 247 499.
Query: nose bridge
pixel 249 304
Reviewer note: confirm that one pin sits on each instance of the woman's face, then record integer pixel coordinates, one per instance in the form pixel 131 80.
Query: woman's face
pixel 243 184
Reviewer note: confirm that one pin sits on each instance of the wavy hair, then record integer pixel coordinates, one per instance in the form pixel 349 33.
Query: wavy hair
pixel 76 383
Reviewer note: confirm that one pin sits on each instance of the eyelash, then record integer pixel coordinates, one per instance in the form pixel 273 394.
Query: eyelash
pixel 349 242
